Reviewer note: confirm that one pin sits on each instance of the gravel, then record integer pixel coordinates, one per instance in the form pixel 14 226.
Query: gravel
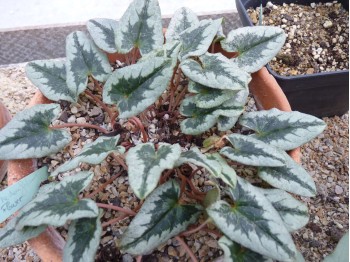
pixel 326 158
pixel 317 37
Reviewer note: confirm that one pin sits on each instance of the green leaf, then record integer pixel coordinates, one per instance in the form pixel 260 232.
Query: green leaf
pixel 83 240
pixel 211 197
pixel 182 19
pixel 294 213
pixel 253 222
pixel 140 27
pixel 50 77
pixel 136 87
pixel 202 119
pixel 226 123
pixel 235 252
pixel 9 236
pixel 227 174
pixel 250 151
pixel 209 97
pixel 84 59
pixel 28 134
pixel 291 177
pixel 197 158
pixel 146 165
pixel 286 130
pixel 256 45
pixel 215 71
pixel 168 50
pixel 59 204
pixel 160 218
pixel 341 252
pixel 104 31
pixel 93 153
pixel 197 38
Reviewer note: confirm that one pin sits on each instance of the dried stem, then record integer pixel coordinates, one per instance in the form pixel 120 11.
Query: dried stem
pixel 120 209
pixel 120 161
pixel 99 102
pixel 186 247
pixel 103 186
pixel 194 189
pixel 179 97
pixel 165 176
pixel 138 123
pixel 196 229
pixel 101 129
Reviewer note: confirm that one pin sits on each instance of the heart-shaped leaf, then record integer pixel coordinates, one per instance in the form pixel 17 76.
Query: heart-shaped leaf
pixel 250 151
pixel 293 212
pixel 253 222
pixel 28 134
pixel 169 50
pixel 202 119
pixel 197 38
pixel 93 153
pixel 83 240
pixel 291 177
pixel 235 252
pixel 136 87
pixel 104 32
pixel 146 165
pixel 226 123
pixel 50 77
pixel 160 218
pixel 59 204
pixel 84 59
pixel 209 97
pixel 215 71
pixel 182 19
pixel 197 158
pixel 9 236
pixel 140 27
pixel 228 174
pixel 256 45
pixel 286 130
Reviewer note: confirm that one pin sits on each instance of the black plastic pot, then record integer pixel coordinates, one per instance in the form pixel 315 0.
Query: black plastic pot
pixel 320 94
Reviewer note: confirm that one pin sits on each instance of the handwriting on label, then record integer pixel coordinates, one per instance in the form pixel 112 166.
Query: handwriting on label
pixel 19 194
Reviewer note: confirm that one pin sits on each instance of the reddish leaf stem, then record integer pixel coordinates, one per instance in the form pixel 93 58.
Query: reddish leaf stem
pixel 187 248
pixel 139 259
pixel 120 209
pixel 103 105
pixel 97 85
pixel 179 97
pixel 101 129
pixel 138 123
pixel 194 189
pixel 115 220
pixel 103 186
pixel 120 161
pixel 196 229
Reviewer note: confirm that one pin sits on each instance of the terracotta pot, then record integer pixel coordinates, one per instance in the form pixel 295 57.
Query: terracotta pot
pixel 49 245
pixel 4 118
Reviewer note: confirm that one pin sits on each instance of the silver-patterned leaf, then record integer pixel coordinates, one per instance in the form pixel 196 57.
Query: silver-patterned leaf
pixel 215 71
pixel 228 174
pixel 253 222
pixel 168 50
pixel 83 240
pixel 140 27
pixel 197 38
pixel 341 252
pixel 160 218
pixel 207 97
pixel 286 130
pixel 197 158
pixel 293 212
pixel 292 177
pixel 93 153
pixel 251 151
pixel 202 119
pixel 226 123
pixel 50 77
pixel 256 45
pixel 235 252
pixel 9 236
pixel 59 204
pixel 182 19
pixel 28 134
pixel 147 164
pixel 136 87
pixel 84 59
pixel 104 32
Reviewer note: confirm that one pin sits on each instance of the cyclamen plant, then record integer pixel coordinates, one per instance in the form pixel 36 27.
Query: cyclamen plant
pixel 260 219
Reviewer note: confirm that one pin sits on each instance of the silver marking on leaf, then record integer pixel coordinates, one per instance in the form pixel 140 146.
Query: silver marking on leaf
pixel 227 174
pixel 104 32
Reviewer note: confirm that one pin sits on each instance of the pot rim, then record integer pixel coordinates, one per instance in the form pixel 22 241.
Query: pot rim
pixel 49 245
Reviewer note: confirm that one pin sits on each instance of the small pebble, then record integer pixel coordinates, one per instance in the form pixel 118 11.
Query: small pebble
pixel 338 190
pixel 327 24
